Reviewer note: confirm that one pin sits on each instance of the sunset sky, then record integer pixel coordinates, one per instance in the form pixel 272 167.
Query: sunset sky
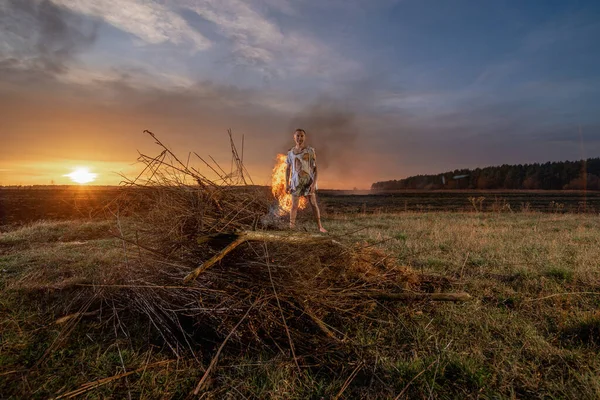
pixel 385 89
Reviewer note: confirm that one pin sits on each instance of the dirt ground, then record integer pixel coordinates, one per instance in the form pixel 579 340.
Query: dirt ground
pixel 28 204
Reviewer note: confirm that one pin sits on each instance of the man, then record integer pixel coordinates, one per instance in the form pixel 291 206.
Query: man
pixel 301 177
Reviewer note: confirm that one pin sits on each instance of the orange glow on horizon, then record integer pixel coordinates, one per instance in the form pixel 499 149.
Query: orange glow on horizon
pixel 60 172
pixel 57 171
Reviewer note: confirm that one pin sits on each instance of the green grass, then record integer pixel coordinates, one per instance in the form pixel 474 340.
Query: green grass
pixel 526 334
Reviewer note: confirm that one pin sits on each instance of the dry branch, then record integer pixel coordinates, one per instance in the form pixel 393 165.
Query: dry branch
pixel 216 357
pixel 239 238
pixel 319 322
pixel 563 294
pixel 86 387
pixel 15 371
pixel 461 296
pixel 194 274
pixel 69 317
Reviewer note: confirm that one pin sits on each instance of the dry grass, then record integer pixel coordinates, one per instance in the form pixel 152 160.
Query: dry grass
pixel 513 340
pixel 289 296
pixel 558 247
pixel 106 304
pixel 533 331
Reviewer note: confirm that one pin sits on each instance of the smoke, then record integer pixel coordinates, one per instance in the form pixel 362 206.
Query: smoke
pixel 332 130
pixel 42 36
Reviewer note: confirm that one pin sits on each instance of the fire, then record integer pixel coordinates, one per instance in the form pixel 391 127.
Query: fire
pixel 278 187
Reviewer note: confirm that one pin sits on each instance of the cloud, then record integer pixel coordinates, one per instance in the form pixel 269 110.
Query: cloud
pixel 253 38
pixel 396 121
pixel 244 34
pixel 39 35
pixel 352 134
pixel 282 6
pixel 106 117
pixel 260 43
pixel 150 21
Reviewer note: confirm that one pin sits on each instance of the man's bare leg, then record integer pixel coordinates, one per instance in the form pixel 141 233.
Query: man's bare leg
pixel 294 211
pixel 312 199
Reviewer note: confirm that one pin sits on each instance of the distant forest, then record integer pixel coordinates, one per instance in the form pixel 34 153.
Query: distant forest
pixel 567 175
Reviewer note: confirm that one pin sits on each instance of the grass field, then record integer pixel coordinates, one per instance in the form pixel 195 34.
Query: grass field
pixel 462 201
pixel 532 329
pixel 28 204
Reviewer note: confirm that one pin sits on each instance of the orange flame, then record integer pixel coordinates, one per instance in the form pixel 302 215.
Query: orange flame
pixel 278 187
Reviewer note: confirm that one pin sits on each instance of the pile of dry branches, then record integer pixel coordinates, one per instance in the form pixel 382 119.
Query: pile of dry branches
pixel 202 268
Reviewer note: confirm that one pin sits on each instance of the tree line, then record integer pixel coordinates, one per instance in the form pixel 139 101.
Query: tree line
pixel 564 175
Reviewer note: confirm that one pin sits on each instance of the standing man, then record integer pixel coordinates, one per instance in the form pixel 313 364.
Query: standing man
pixel 301 177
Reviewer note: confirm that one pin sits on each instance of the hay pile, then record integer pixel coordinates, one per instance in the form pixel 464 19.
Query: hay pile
pixel 301 289
pixel 296 293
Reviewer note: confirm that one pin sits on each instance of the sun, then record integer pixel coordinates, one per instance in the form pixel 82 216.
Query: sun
pixel 82 175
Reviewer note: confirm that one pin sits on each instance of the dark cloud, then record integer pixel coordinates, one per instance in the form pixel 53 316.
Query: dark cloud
pixel 40 35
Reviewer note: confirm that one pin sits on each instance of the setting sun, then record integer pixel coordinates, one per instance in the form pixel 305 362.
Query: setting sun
pixel 82 175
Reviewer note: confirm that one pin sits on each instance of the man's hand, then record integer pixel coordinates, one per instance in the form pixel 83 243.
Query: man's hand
pixel 312 189
pixel 287 189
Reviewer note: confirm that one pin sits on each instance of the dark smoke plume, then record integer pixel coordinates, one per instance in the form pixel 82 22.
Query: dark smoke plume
pixel 331 130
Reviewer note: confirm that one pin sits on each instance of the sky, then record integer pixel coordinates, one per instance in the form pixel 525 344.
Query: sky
pixel 385 89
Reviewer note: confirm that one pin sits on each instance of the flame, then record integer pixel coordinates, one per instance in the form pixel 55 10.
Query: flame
pixel 278 187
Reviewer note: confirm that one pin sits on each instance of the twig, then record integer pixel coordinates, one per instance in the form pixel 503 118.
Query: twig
pixel 136 243
pixel 69 317
pixel 562 294
pixel 461 296
pixel 138 287
pixel 218 166
pixel 412 380
pixel 319 322
pixel 86 387
pixel 349 380
pixel 194 274
pixel 463 266
pixel 434 376
pixel 287 331
pixel 216 357
pixel 210 166
pixel 148 165
pixel 65 332
pixel 15 371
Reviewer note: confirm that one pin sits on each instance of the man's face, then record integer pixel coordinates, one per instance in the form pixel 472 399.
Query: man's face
pixel 299 137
